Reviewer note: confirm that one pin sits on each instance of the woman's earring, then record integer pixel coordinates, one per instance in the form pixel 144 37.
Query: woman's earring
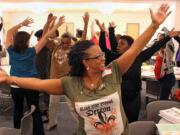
pixel 87 68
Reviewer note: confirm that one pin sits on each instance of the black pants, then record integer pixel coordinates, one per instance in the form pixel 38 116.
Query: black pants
pixel 132 107
pixel 166 84
pixel 32 97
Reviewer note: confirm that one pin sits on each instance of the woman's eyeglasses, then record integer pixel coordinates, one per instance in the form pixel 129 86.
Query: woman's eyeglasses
pixel 96 57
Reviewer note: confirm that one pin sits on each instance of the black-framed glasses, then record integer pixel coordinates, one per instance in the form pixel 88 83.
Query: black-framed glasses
pixel 96 57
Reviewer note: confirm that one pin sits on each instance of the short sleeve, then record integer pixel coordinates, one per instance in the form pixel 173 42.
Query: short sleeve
pixel 70 86
pixel 9 49
pixel 116 73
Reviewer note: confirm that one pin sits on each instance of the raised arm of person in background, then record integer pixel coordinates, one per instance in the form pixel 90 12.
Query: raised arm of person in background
pixel 12 32
pixel 102 38
pixel 92 30
pixel 46 28
pixel 44 39
pixel 50 21
pixel 112 37
pixel 86 21
pixel 147 53
pixel 130 55
pixel 110 55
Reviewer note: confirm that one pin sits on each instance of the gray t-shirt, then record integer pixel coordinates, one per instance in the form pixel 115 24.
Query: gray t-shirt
pixel 101 113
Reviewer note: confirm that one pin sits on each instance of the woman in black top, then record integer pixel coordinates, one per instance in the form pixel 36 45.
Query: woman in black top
pixel 131 83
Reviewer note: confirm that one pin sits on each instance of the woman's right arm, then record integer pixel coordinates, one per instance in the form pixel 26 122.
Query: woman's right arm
pixel 92 30
pixel 50 18
pixel 51 86
pixel 12 32
pixel 86 21
pixel 126 60
pixel 102 39
pixel 44 39
pixel 112 37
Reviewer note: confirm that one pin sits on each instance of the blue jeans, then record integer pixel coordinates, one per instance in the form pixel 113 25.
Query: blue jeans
pixel 166 84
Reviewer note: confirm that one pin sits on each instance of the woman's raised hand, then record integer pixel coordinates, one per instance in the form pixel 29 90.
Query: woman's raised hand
pixel 101 26
pixel 61 20
pixel 173 33
pixel 159 17
pixel 27 21
pixel 112 24
pixel 50 18
pixel 86 17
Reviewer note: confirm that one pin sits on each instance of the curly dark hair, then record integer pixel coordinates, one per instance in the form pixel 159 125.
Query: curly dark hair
pixel 39 33
pixel 76 55
pixel 129 39
pixel 20 42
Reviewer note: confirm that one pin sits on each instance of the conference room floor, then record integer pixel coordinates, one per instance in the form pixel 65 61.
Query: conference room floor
pixel 66 124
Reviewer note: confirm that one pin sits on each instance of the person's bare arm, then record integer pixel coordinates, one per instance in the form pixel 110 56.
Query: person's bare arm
pixel 86 21
pixel 50 18
pixel 12 32
pixel 126 60
pixel 92 30
pixel 51 86
pixel 44 39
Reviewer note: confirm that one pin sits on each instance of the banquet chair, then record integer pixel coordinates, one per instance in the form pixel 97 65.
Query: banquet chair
pixel 142 128
pixel 152 90
pixel 154 107
pixel 25 127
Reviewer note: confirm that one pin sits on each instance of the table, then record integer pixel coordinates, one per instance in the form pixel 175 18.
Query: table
pixel 147 72
pixel 152 86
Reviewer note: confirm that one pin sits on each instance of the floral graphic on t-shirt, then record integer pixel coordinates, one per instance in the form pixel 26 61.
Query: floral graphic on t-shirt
pixel 101 116
pixel 106 124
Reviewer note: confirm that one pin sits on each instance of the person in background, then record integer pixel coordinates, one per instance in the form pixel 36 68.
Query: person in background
pixel 59 67
pixel 131 80
pixel 164 71
pixel 43 62
pixel 23 65
pixel 177 38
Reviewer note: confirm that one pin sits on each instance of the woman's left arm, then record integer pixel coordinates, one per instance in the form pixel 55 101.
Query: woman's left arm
pixel 126 60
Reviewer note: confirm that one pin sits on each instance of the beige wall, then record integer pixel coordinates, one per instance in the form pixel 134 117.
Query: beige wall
pixel 120 18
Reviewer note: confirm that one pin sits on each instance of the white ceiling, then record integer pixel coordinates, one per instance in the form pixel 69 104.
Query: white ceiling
pixel 75 1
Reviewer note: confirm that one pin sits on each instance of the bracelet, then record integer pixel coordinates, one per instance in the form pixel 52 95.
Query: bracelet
pixel 14 83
